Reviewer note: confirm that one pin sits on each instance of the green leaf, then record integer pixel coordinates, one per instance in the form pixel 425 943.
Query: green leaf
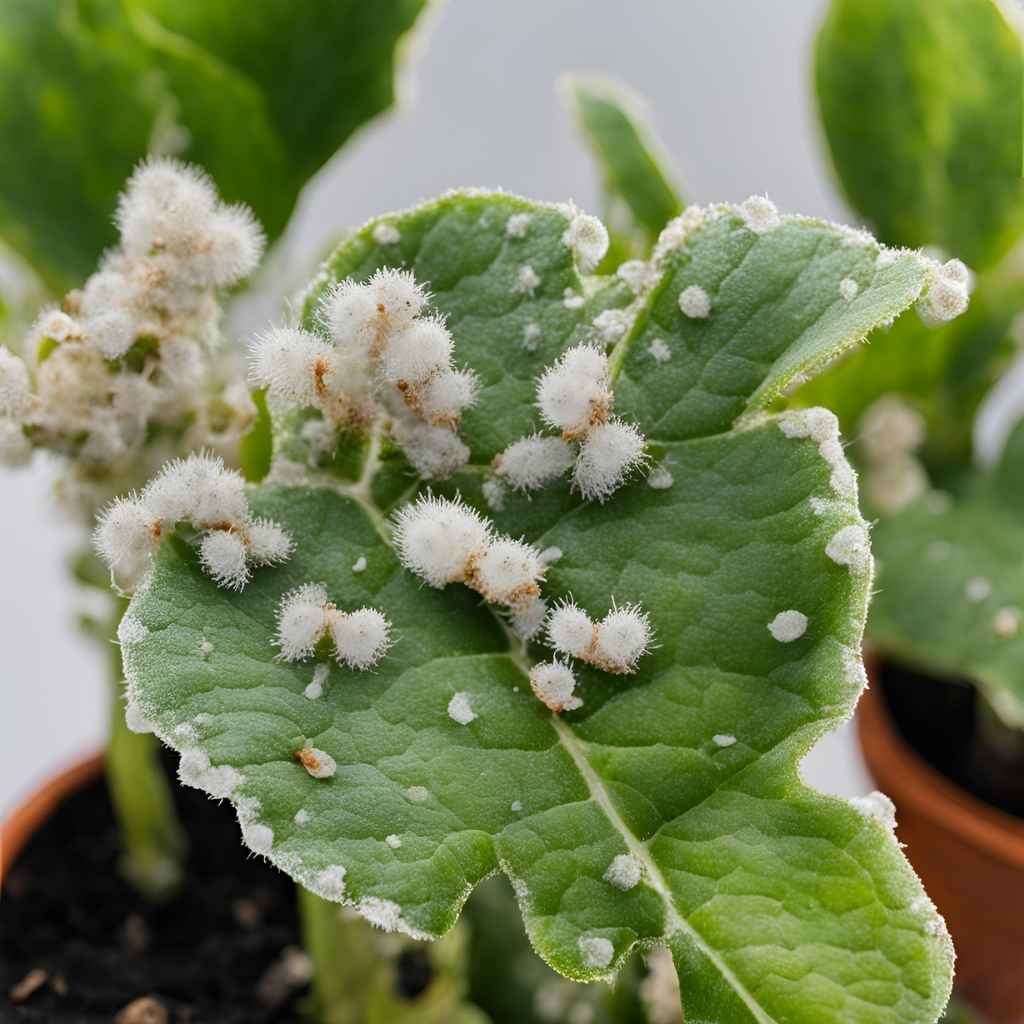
pixel 778 903
pixel 639 195
pixel 947 370
pixel 256 449
pixel 951 599
pixel 921 102
pixel 260 97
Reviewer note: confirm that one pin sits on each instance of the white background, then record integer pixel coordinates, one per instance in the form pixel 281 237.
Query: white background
pixel 728 83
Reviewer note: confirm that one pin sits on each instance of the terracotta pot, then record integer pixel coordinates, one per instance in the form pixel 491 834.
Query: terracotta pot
pixel 970 857
pixel 34 810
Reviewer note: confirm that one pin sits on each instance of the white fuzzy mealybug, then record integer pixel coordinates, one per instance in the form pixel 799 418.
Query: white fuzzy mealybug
pixel 222 554
pixel 637 275
pixel 126 534
pixel 315 689
pixel 723 739
pixel 760 214
pixel 359 565
pixel 436 538
pixel 386 234
pixel 413 354
pixel 788 626
pixel 588 239
pixel 695 303
pixel 393 841
pixel 460 710
pixel 570 629
pixel 317 762
pixel 624 872
pixel 947 294
pixel 572 299
pixel 554 685
pixel 609 454
pixel 329 883
pixel 291 364
pixel 622 638
pixel 573 394
pixel 878 807
pixel 611 325
pixel 269 544
pixel 850 547
pixel 507 572
pixel 848 289
pixel 660 351
pixel 660 478
pixel 527 619
pixel 361 638
pixel 301 621
pixel 531 462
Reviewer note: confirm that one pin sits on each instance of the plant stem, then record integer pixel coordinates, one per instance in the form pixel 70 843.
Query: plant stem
pixel 152 840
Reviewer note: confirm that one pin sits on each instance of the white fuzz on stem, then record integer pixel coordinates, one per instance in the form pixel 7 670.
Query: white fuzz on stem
pixel 554 685
pixel 588 239
pixel 610 452
pixel 531 462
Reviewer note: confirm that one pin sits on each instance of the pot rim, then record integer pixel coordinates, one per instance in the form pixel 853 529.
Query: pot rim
pixel 31 813
pixel 909 780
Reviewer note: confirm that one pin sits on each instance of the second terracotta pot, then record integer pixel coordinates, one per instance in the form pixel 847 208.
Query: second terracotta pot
pixel 970 857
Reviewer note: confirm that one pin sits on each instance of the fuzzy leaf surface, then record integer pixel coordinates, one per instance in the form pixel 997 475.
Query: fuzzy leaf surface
pixel 950 585
pixel 779 904
pixel 921 105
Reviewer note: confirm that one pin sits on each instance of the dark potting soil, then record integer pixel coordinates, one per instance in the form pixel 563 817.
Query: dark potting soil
pixel 943 721
pixel 208 956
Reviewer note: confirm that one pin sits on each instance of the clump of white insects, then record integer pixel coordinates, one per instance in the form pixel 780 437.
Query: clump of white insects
pixel 375 352
pixel 306 615
pixel 201 491
pixel 575 396
pixel 123 375
pixel 615 644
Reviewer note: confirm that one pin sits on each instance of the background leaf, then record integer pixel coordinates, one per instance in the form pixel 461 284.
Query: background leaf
pixel 921 101
pixel 260 96
pixel 779 904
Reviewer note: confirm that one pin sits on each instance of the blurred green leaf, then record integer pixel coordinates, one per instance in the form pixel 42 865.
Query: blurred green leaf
pixel 256 448
pixel 639 195
pixel 260 95
pixel 921 102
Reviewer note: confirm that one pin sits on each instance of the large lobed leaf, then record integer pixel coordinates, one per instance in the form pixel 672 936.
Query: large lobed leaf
pixel 951 599
pixel 260 96
pixel 778 903
pixel 921 102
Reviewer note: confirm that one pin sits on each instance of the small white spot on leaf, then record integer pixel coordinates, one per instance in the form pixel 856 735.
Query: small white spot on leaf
pixel 595 950
pixel 459 709
pixel 624 872
pixel 788 626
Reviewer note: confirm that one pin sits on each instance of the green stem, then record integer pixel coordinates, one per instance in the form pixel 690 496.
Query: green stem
pixel 152 840
pixel 357 977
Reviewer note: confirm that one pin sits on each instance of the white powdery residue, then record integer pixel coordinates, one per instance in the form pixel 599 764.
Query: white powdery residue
pixel 1006 622
pixel 854 672
pixel 850 547
pixel 247 810
pixel 192 767
pixel 587 237
pixel 329 884
pixel 531 336
pixel 360 564
pixel 571 300
pixel 316 688
pixel 386 234
pixel 393 841
pixel 660 351
pixel 259 838
pixel 674 235
pixel 220 781
pixel 517 225
pixel 624 872
pixel 723 739
pixel 459 709
pixel 695 303
pixel 302 817
pixel 637 275
pixel 526 621
pixel 418 794
pixel 760 214
pixel 848 289
pixel 595 950
pixel 205 648
pixel 131 631
pixel 550 555
pixel 611 325
pixel 977 589
pixel 517 806
pixel 494 494
pixel 383 914
pixel 660 478
pixel 886 258
pixel 527 280
pixel 135 719
pixel 877 807
pixel 520 888
pixel 788 626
